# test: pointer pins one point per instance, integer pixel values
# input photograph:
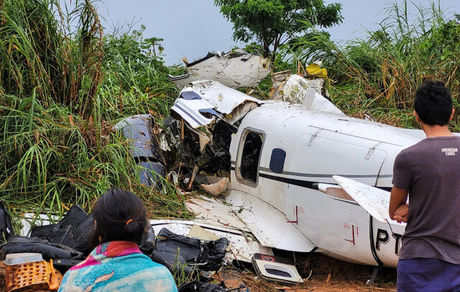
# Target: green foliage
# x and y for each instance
(379, 75)
(136, 79)
(272, 23)
(132, 51)
(61, 92)
(59, 98)
(312, 46)
(37, 53)
(52, 158)
(184, 273)
(28, 63)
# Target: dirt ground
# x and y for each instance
(320, 273)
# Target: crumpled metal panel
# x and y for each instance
(138, 129)
(145, 148)
(299, 90)
(214, 96)
(150, 172)
(267, 223)
(235, 70)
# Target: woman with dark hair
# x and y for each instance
(117, 264)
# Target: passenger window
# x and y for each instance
(277, 160)
(250, 157)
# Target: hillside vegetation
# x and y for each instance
(378, 75)
(64, 84)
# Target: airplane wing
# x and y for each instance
(249, 214)
(374, 200)
(268, 224)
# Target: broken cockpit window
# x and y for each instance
(202, 102)
(207, 113)
(250, 156)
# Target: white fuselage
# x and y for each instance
(282, 151)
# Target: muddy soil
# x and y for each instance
(320, 273)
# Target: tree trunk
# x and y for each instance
(273, 53)
(266, 50)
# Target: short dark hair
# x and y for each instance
(119, 215)
(433, 103)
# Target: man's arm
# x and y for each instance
(398, 210)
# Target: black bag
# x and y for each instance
(172, 249)
(6, 229)
(63, 256)
(75, 230)
(20, 244)
(212, 253)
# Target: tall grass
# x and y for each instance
(379, 74)
(60, 95)
(39, 54)
(50, 160)
(63, 87)
(135, 77)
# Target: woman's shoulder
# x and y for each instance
(134, 270)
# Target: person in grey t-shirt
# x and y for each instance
(429, 173)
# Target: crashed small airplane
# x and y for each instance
(303, 177)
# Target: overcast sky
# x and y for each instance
(191, 28)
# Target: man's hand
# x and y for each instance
(401, 213)
(398, 200)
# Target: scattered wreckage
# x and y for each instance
(235, 69)
(145, 149)
(38, 261)
(301, 177)
(283, 161)
(296, 173)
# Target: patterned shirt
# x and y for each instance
(118, 266)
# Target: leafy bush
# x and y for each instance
(60, 97)
(136, 79)
(379, 75)
(52, 158)
(39, 54)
